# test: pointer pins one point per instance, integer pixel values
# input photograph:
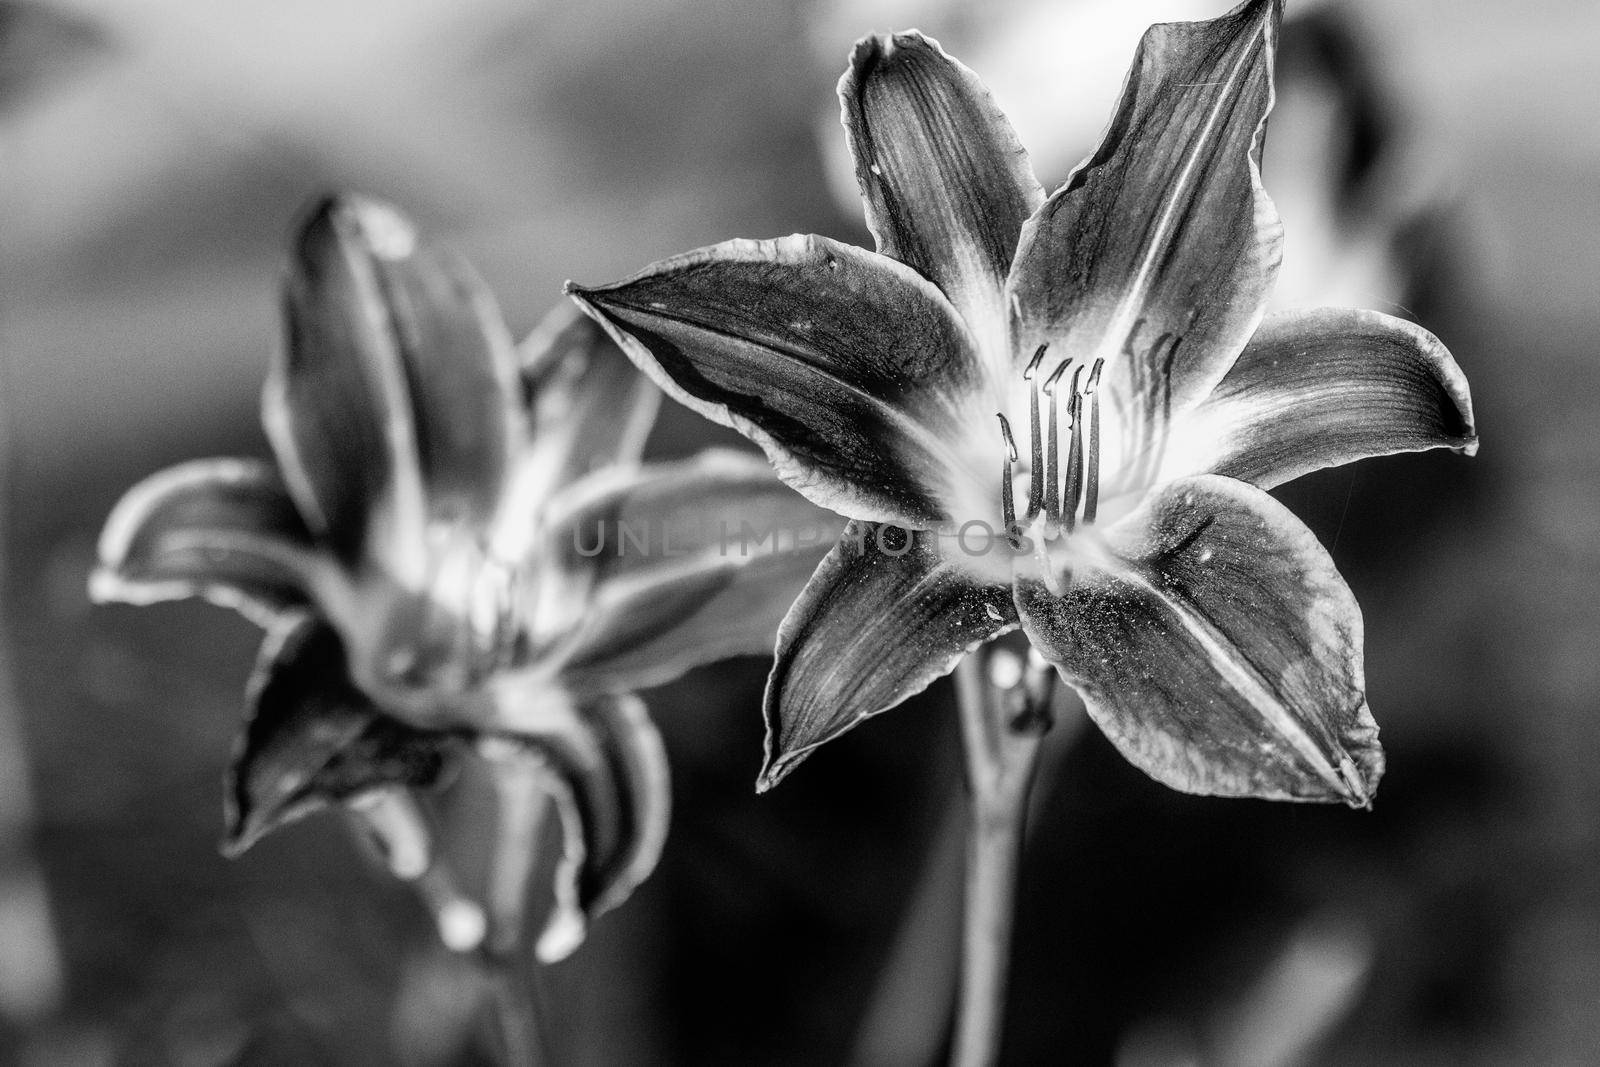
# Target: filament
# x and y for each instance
(1008, 506)
(1036, 451)
(1091, 485)
(1052, 467)
(1074, 453)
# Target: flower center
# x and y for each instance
(1065, 494)
(460, 627)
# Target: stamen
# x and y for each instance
(1052, 466)
(1008, 506)
(1036, 459)
(1074, 453)
(1011, 443)
(1091, 488)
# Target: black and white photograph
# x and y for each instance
(880, 533)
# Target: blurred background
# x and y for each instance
(1436, 159)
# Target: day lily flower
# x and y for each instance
(429, 557)
(1091, 374)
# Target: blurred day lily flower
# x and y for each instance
(429, 557)
(1090, 374)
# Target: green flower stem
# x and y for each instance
(520, 812)
(515, 990)
(507, 955)
(397, 826)
(1002, 724)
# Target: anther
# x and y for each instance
(1055, 376)
(1033, 364)
(1011, 443)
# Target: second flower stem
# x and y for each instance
(1004, 714)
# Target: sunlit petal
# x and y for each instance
(590, 406)
(1217, 647)
(883, 618)
(607, 776)
(395, 400)
(314, 739)
(853, 373)
(947, 186)
(1319, 388)
(682, 564)
(222, 529)
(1159, 251)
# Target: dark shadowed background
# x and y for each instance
(1432, 158)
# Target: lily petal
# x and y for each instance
(685, 564)
(851, 371)
(608, 779)
(1218, 648)
(590, 406)
(589, 409)
(1159, 251)
(1319, 388)
(883, 618)
(222, 529)
(394, 401)
(314, 739)
(946, 183)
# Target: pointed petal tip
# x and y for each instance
(239, 836)
(105, 585)
(243, 823)
(1360, 781)
(588, 298)
(865, 48)
(775, 771)
(344, 220)
(782, 764)
(885, 44)
(874, 49)
(1257, 9)
(562, 935)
